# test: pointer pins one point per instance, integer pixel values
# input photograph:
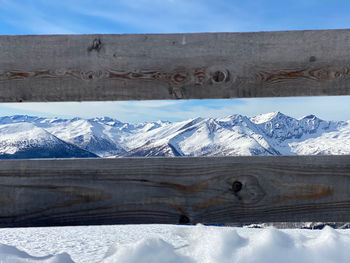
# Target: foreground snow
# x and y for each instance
(173, 244)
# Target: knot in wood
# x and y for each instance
(96, 45)
(219, 76)
(236, 186)
(184, 220)
(312, 59)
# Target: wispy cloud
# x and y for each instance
(172, 16)
(167, 16)
(32, 18)
(328, 108)
(153, 16)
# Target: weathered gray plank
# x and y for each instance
(185, 66)
(173, 190)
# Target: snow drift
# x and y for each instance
(225, 245)
(182, 244)
(10, 254)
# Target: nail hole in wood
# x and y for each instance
(184, 220)
(219, 76)
(312, 59)
(236, 186)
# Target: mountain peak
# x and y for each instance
(309, 117)
(234, 116)
(266, 134)
(261, 118)
(103, 119)
(106, 120)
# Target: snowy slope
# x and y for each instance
(10, 254)
(173, 244)
(266, 134)
(25, 140)
(308, 135)
(234, 135)
(91, 135)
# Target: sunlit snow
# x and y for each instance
(173, 244)
(267, 134)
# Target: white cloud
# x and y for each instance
(328, 108)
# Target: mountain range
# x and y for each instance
(272, 133)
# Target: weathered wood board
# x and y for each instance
(174, 66)
(174, 190)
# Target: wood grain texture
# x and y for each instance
(173, 190)
(174, 66)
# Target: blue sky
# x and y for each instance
(175, 16)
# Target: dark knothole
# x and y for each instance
(219, 76)
(236, 186)
(312, 59)
(96, 45)
(184, 220)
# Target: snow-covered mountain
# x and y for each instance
(25, 140)
(266, 134)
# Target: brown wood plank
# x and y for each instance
(174, 190)
(174, 66)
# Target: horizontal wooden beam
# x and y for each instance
(174, 190)
(174, 66)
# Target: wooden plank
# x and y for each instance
(174, 66)
(174, 190)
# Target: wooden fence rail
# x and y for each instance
(174, 190)
(170, 66)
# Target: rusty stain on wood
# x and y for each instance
(309, 191)
(198, 75)
(214, 201)
(174, 78)
(15, 75)
(180, 187)
(186, 188)
(314, 74)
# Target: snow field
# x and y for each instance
(173, 244)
